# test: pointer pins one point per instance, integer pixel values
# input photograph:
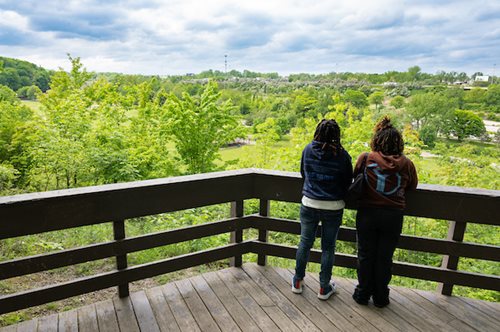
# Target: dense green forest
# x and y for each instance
(23, 77)
(90, 129)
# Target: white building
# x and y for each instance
(482, 78)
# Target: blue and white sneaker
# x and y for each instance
(325, 292)
(297, 285)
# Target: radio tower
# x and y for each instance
(225, 63)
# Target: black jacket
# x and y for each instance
(326, 176)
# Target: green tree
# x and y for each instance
(266, 136)
(200, 127)
(17, 74)
(492, 97)
(355, 98)
(304, 103)
(475, 99)
(456, 94)
(465, 124)
(29, 92)
(13, 115)
(376, 98)
(7, 95)
(148, 137)
(67, 121)
(430, 109)
(428, 135)
(8, 174)
(398, 102)
(414, 73)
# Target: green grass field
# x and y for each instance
(34, 105)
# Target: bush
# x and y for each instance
(8, 174)
(428, 135)
(29, 92)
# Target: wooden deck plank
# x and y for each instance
(27, 326)
(431, 320)
(294, 314)
(358, 314)
(48, 323)
(180, 310)
(304, 305)
(490, 311)
(260, 316)
(494, 305)
(106, 316)
(391, 317)
(407, 315)
(144, 312)
(9, 328)
(87, 319)
(68, 321)
(363, 317)
(125, 315)
(164, 316)
(196, 305)
(270, 308)
(214, 305)
(444, 315)
(255, 298)
(328, 308)
(462, 311)
(240, 316)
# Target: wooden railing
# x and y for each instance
(58, 210)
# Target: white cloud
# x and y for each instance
(12, 19)
(172, 37)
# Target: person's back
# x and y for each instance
(388, 177)
(327, 172)
(379, 219)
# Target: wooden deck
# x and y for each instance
(255, 298)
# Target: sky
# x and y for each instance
(286, 36)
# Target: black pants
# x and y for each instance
(378, 233)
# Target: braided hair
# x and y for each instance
(328, 133)
(387, 139)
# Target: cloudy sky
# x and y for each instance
(286, 36)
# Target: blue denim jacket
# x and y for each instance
(326, 176)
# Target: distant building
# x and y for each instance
(390, 84)
(483, 78)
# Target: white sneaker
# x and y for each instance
(297, 285)
(325, 293)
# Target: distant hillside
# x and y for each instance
(17, 74)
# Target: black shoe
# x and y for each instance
(382, 303)
(359, 300)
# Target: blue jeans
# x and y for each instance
(330, 224)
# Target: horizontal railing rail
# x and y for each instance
(58, 210)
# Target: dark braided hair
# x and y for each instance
(387, 139)
(328, 133)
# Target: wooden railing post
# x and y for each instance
(263, 233)
(236, 236)
(121, 260)
(456, 232)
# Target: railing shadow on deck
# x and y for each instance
(58, 210)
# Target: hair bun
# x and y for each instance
(384, 123)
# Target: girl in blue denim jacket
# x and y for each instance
(327, 172)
